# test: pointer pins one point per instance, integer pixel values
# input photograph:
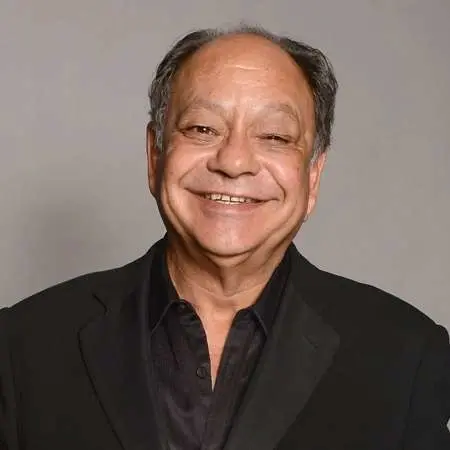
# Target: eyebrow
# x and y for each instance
(203, 103)
(282, 107)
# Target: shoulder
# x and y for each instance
(374, 303)
(71, 302)
(352, 304)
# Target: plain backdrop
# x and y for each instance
(73, 111)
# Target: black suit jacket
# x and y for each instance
(346, 366)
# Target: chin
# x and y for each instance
(226, 246)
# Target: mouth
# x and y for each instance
(227, 199)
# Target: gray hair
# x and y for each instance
(314, 64)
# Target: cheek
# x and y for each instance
(179, 162)
(291, 174)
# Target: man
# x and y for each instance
(223, 336)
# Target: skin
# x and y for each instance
(240, 122)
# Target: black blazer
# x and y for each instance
(346, 366)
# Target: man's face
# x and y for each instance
(235, 177)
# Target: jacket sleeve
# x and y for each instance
(429, 413)
(8, 427)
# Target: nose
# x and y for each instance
(235, 157)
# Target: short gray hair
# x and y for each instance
(314, 64)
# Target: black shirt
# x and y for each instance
(192, 415)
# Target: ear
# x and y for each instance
(152, 159)
(315, 172)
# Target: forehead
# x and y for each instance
(246, 62)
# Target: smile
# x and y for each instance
(229, 199)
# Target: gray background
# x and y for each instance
(73, 81)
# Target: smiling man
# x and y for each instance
(223, 336)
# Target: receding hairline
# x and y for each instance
(239, 35)
(187, 65)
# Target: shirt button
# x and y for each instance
(202, 372)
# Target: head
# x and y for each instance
(240, 125)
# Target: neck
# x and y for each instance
(219, 287)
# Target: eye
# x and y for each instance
(276, 139)
(202, 129)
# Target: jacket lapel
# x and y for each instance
(297, 354)
(115, 351)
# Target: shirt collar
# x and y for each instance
(163, 292)
(266, 306)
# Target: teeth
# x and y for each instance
(224, 198)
